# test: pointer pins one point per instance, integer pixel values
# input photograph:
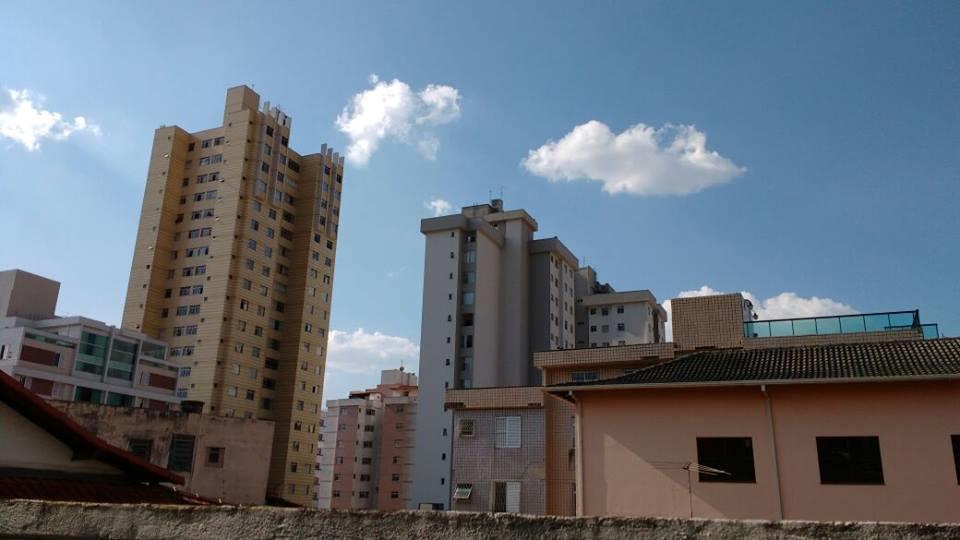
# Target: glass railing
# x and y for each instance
(840, 324)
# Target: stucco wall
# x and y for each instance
(635, 444)
(242, 476)
(34, 519)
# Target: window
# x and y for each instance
(849, 460)
(141, 448)
(621, 327)
(215, 456)
(955, 439)
(619, 309)
(462, 492)
(469, 256)
(181, 453)
(726, 459)
(584, 376)
(506, 497)
(466, 427)
(468, 298)
(508, 432)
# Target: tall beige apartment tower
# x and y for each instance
(233, 266)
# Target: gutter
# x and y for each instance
(772, 382)
(578, 428)
(773, 450)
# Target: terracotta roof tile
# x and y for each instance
(851, 361)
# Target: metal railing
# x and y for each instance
(840, 324)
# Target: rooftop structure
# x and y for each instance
(76, 358)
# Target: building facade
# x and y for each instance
(843, 432)
(498, 450)
(493, 296)
(219, 458)
(724, 325)
(234, 266)
(364, 459)
(75, 358)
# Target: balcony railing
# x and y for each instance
(840, 324)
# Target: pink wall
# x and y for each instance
(635, 443)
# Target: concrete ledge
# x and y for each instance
(39, 519)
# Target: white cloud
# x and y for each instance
(671, 160)
(785, 305)
(363, 352)
(24, 121)
(392, 110)
(439, 207)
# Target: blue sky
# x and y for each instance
(829, 169)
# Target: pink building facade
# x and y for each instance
(363, 459)
(832, 432)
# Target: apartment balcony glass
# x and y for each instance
(840, 324)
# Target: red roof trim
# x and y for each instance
(83, 442)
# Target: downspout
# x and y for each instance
(773, 450)
(578, 427)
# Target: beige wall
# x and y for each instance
(242, 477)
(229, 368)
(25, 445)
(27, 295)
(708, 321)
(636, 442)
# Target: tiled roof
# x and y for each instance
(53, 486)
(852, 361)
(85, 444)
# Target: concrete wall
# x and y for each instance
(438, 361)
(241, 478)
(27, 295)
(635, 444)
(35, 519)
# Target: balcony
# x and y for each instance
(841, 324)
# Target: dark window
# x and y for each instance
(141, 448)
(215, 456)
(181, 453)
(956, 454)
(731, 459)
(849, 460)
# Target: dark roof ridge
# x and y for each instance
(881, 360)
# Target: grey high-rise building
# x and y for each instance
(492, 296)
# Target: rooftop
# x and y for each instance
(850, 362)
